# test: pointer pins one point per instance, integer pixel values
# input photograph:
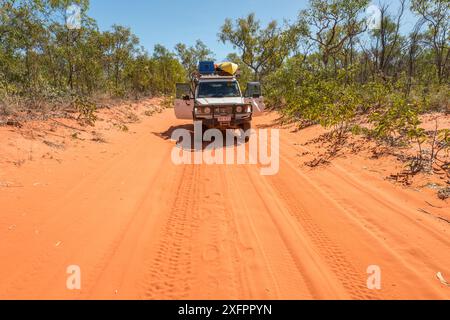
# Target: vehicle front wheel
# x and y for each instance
(204, 128)
(246, 126)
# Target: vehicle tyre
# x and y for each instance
(204, 128)
(246, 126)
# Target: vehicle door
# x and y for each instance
(184, 102)
(253, 96)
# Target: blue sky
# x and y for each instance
(171, 21)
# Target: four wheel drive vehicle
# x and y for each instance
(215, 99)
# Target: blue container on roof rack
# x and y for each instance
(206, 67)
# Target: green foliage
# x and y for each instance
(379, 85)
(263, 50)
(43, 61)
(316, 99)
(397, 119)
(337, 22)
(166, 71)
(444, 138)
(436, 14)
(191, 56)
(86, 109)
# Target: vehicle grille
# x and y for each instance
(223, 110)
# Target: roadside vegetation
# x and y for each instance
(330, 68)
(46, 66)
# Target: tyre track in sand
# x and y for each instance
(365, 213)
(170, 274)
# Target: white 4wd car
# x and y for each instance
(217, 101)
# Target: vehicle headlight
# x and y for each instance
(207, 110)
(239, 109)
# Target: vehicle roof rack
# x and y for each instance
(196, 76)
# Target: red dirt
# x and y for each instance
(140, 227)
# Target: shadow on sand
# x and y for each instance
(191, 145)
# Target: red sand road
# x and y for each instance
(140, 227)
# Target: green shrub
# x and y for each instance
(86, 109)
(396, 120)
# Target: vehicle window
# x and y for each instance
(218, 90)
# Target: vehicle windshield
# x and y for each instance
(223, 89)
